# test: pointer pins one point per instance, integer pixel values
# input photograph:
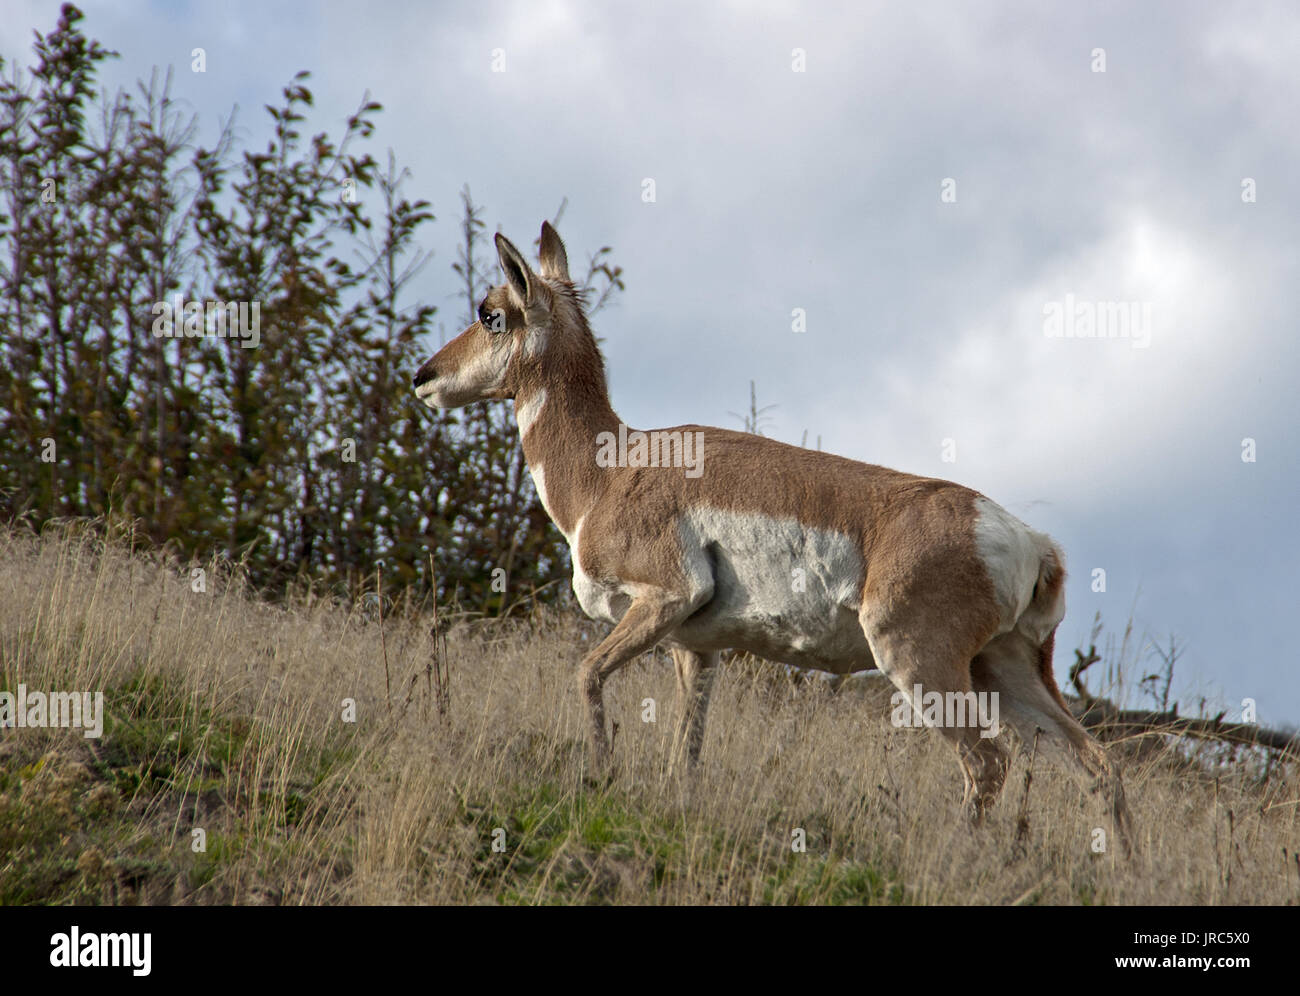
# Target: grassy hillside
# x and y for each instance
(225, 715)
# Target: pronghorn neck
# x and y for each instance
(559, 423)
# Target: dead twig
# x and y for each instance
(1022, 819)
(1107, 719)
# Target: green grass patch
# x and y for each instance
(544, 843)
(110, 820)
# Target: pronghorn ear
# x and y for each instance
(518, 275)
(555, 261)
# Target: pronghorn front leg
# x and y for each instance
(647, 621)
(694, 681)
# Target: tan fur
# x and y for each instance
(928, 609)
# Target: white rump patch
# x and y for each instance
(1012, 555)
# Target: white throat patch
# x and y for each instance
(527, 411)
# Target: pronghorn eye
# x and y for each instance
(492, 319)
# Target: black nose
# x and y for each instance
(423, 375)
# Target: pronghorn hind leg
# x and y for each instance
(911, 656)
(984, 764)
(695, 674)
(647, 621)
(1013, 667)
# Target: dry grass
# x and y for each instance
(226, 714)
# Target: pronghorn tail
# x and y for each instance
(1046, 609)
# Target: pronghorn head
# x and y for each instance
(532, 317)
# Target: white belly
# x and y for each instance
(782, 590)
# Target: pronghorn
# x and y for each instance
(928, 581)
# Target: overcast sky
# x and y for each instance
(827, 190)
